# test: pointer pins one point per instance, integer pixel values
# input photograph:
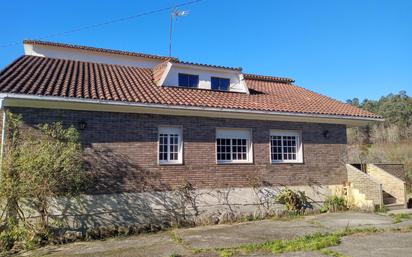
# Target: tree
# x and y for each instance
(389, 141)
(39, 164)
(354, 102)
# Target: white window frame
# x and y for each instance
(299, 145)
(170, 130)
(235, 133)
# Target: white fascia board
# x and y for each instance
(51, 102)
(84, 55)
(205, 68)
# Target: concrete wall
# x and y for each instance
(390, 184)
(163, 208)
(364, 190)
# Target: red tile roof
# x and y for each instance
(34, 75)
(268, 78)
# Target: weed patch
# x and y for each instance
(332, 253)
(334, 204)
(175, 255)
(398, 218)
(313, 242)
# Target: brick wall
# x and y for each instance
(121, 149)
(366, 185)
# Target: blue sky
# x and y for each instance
(342, 49)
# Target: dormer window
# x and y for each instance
(220, 83)
(188, 80)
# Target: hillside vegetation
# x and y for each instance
(387, 142)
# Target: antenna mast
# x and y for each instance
(173, 14)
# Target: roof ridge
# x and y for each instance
(98, 49)
(268, 78)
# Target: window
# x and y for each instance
(220, 84)
(233, 146)
(285, 146)
(170, 145)
(188, 80)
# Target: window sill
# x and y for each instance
(234, 163)
(296, 162)
(171, 164)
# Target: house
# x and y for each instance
(151, 123)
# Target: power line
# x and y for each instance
(87, 27)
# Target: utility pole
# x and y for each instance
(173, 14)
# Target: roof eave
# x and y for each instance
(51, 102)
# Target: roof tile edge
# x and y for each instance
(268, 78)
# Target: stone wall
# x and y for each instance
(365, 191)
(396, 170)
(390, 184)
(205, 206)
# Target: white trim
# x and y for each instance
(299, 144)
(164, 129)
(243, 83)
(235, 133)
(205, 67)
(71, 103)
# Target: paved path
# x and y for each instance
(209, 237)
(382, 244)
(261, 231)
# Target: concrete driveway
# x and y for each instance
(201, 241)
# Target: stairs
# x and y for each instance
(390, 202)
(395, 206)
(388, 198)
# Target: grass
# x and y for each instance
(313, 242)
(175, 255)
(178, 240)
(381, 209)
(398, 218)
(332, 253)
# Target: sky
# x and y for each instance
(342, 49)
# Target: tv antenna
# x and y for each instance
(173, 15)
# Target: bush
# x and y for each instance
(17, 237)
(37, 165)
(334, 204)
(295, 201)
